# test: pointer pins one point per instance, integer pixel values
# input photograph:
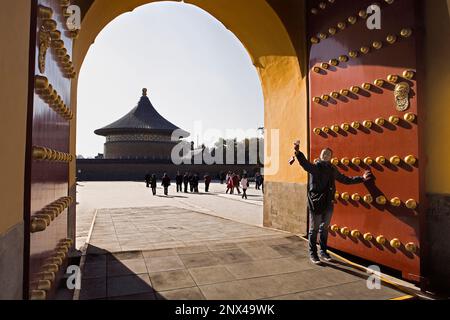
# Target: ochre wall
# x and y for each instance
(14, 31)
(437, 144)
(15, 37)
(287, 81)
(437, 87)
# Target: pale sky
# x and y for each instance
(194, 69)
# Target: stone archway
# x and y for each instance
(273, 33)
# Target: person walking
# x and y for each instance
(236, 181)
(227, 177)
(153, 184)
(258, 180)
(195, 182)
(191, 182)
(321, 191)
(186, 182)
(244, 185)
(148, 179)
(179, 181)
(230, 186)
(166, 184)
(207, 179)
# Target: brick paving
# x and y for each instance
(176, 253)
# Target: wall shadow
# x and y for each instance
(115, 276)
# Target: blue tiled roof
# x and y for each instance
(142, 119)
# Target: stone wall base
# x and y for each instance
(438, 234)
(285, 207)
(11, 263)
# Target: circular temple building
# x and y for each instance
(141, 134)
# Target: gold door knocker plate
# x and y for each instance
(401, 93)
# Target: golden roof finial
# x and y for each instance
(144, 92)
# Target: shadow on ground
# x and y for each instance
(272, 268)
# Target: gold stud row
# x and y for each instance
(369, 161)
(364, 50)
(49, 25)
(46, 91)
(362, 14)
(407, 74)
(47, 275)
(45, 12)
(42, 153)
(380, 200)
(42, 219)
(62, 55)
(368, 124)
(381, 240)
(321, 6)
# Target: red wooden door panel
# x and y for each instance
(335, 30)
(49, 148)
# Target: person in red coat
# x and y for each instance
(230, 185)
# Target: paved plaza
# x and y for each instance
(198, 247)
(100, 195)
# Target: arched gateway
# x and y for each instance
(327, 80)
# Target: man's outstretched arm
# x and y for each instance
(306, 165)
(347, 180)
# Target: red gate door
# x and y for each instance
(47, 197)
(364, 106)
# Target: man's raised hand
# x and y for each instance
(368, 175)
(297, 146)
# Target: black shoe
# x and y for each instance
(315, 259)
(326, 257)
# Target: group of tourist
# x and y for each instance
(192, 181)
(189, 181)
(152, 182)
(236, 182)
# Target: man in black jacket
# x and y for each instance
(207, 179)
(166, 184)
(186, 182)
(148, 179)
(321, 191)
(153, 183)
(179, 181)
(195, 182)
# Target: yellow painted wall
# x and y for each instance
(437, 87)
(265, 35)
(14, 31)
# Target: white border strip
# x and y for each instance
(76, 294)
